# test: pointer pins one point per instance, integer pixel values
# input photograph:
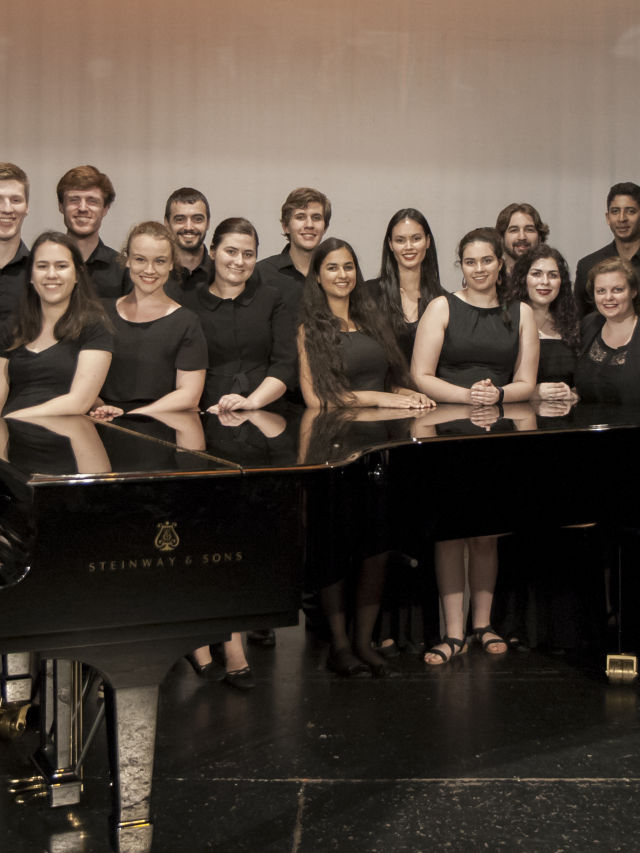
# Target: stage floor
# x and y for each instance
(521, 752)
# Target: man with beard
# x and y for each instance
(14, 206)
(85, 196)
(305, 217)
(521, 229)
(623, 218)
(187, 215)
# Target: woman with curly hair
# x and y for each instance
(349, 358)
(409, 277)
(541, 279)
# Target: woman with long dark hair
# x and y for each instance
(57, 355)
(409, 278)
(474, 347)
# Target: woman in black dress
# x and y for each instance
(608, 368)
(474, 347)
(541, 278)
(349, 358)
(57, 355)
(409, 277)
(160, 353)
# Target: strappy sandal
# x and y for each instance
(458, 647)
(479, 633)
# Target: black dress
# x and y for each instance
(147, 355)
(36, 377)
(479, 343)
(605, 374)
(557, 361)
(365, 362)
(405, 332)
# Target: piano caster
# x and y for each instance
(622, 669)
(133, 836)
(13, 720)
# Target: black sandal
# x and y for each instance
(458, 647)
(479, 633)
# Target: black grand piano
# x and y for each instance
(125, 545)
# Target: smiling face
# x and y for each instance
(543, 282)
(234, 259)
(189, 223)
(83, 211)
(409, 244)
(54, 274)
(480, 266)
(613, 296)
(306, 226)
(149, 261)
(337, 274)
(623, 218)
(13, 209)
(521, 235)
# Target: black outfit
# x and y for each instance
(107, 273)
(557, 361)
(603, 374)
(365, 362)
(583, 300)
(147, 355)
(12, 278)
(279, 271)
(479, 344)
(248, 338)
(185, 281)
(406, 333)
(35, 377)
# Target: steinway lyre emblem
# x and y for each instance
(167, 538)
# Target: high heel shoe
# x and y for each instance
(205, 671)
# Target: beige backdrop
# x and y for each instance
(457, 107)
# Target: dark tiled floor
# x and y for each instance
(523, 752)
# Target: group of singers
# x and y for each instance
(221, 332)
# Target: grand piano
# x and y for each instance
(125, 545)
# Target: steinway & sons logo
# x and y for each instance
(166, 540)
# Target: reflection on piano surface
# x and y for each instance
(126, 545)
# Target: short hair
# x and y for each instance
(186, 195)
(234, 225)
(157, 230)
(301, 198)
(83, 178)
(11, 172)
(616, 264)
(504, 218)
(624, 188)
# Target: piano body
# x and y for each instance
(189, 532)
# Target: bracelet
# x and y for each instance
(500, 394)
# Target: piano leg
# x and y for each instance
(131, 719)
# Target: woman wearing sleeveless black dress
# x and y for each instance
(471, 347)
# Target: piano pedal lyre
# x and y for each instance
(622, 668)
(13, 720)
(27, 789)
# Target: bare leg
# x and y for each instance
(234, 656)
(450, 576)
(202, 655)
(332, 599)
(483, 571)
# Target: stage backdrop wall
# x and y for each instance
(457, 107)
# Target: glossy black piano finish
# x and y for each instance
(145, 539)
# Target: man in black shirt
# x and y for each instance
(85, 196)
(305, 217)
(623, 218)
(188, 216)
(14, 206)
(522, 229)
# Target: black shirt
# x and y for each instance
(107, 273)
(147, 355)
(280, 272)
(248, 338)
(583, 300)
(12, 278)
(185, 281)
